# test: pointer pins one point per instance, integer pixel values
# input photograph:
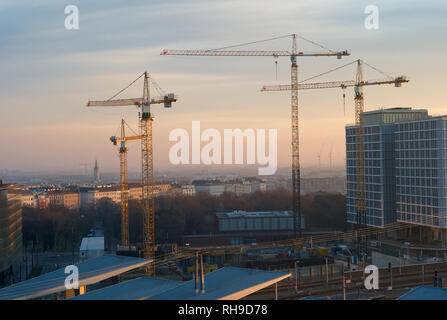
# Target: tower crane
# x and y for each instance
(358, 85)
(147, 181)
(293, 54)
(123, 182)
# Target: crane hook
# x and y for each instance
(344, 104)
(276, 66)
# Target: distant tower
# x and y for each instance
(96, 174)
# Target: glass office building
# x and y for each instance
(380, 164)
(421, 164)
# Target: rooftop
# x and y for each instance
(425, 293)
(135, 289)
(253, 214)
(91, 271)
(228, 283)
(92, 243)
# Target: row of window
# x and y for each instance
(367, 146)
(414, 163)
(419, 209)
(373, 187)
(429, 200)
(416, 135)
(417, 126)
(371, 221)
(419, 191)
(350, 199)
(421, 219)
(417, 154)
(366, 130)
(415, 144)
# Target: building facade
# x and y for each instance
(29, 200)
(10, 233)
(405, 154)
(421, 172)
(242, 221)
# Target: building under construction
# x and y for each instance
(405, 171)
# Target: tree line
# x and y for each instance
(61, 229)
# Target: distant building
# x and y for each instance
(96, 173)
(237, 186)
(91, 196)
(10, 233)
(405, 170)
(86, 197)
(328, 184)
(241, 227)
(91, 247)
(273, 221)
(188, 190)
(71, 200)
(43, 201)
(29, 200)
(215, 188)
(56, 199)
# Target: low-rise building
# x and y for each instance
(71, 200)
(43, 201)
(237, 221)
(29, 200)
(91, 247)
(188, 190)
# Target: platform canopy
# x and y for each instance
(425, 293)
(137, 289)
(228, 283)
(90, 272)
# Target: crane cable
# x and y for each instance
(335, 69)
(248, 43)
(270, 39)
(126, 87)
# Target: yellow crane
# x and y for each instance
(147, 181)
(293, 54)
(358, 85)
(123, 182)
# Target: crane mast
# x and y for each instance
(147, 183)
(124, 191)
(123, 182)
(296, 183)
(293, 54)
(360, 161)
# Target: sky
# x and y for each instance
(49, 73)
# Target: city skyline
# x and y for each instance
(49, 128)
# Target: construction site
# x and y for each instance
(305, 265)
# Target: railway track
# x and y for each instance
(404, 277)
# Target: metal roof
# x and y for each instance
(90, 271)
(425, 293)
(92, 243)
(253, 214)
(228, 283)
(136, 289)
